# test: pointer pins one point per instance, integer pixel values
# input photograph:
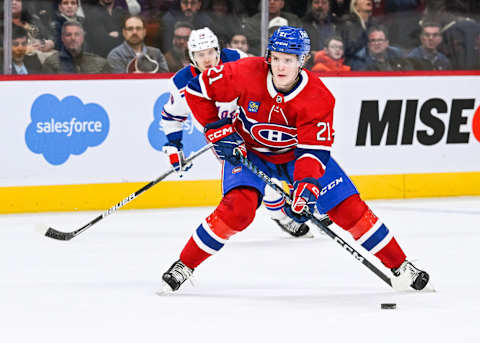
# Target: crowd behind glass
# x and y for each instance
(150, 36)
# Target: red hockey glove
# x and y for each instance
(173, 149)
(305, 195)
(226, 141)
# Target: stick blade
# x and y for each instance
(59, 235)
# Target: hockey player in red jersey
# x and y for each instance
(285, 127)
(204, 52)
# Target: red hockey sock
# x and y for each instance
(392, 256)
(234, 213)
(354, 216)
(192, 255)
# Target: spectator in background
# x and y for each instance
(458, 43)
(252, 24)
(379, 55)
(190, 11)
(225, 20)
(103, 23)
(239, 41)
(67, 11)
(22, 64)
(340, 7)
(133, 56)
(71, 59)
(402, 21)
(458, 29)
(134, 7)
(427, 52)
(41, 10)
(331, 57)
(177, 56)
(276, 23)
(353, 27)
(476, 49)
(297, 7)
(40, 40)
(320, 24)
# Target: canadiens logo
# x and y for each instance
(253, 106)
(274, 135)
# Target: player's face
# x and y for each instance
(284, 70)
(68, 7)
(205, 58)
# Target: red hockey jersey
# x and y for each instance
(278, 127)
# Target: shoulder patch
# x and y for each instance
(253, 106)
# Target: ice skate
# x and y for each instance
(293, 228)
(407, 275)
(174, 277)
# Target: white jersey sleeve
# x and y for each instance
(175, 111)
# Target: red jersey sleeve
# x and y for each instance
(214, 84)
(314, 132)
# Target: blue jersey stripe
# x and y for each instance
(208, 240)
(376, 238)
(195, 85)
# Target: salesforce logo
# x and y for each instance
(192, 140)
(60, 128)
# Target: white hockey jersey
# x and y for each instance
(176, 111)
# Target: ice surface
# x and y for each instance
(262, 287)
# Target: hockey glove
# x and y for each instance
(173, 149)
(305, 195)
(226, 141)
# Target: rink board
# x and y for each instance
(85, 144)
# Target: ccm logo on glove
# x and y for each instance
(217, 134)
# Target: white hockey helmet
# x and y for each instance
(202, 39)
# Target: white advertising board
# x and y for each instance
(104, 131)
(88, 131)
(402, 125)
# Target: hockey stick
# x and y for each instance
(319, 222)
(66, 236)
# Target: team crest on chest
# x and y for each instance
(274, 135)
(253, 106)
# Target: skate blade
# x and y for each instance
(403, 285)
(429, 288)
(165, 289)
(309, 234)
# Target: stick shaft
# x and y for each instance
(52, 233)
(317, 221)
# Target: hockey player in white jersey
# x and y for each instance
(204, 52)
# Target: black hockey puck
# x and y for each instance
(388, 306)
